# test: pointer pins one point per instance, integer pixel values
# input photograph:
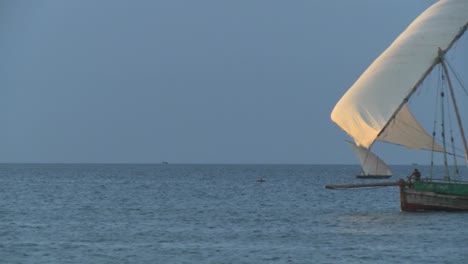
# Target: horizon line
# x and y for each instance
(197, 163)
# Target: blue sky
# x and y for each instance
(187, 81)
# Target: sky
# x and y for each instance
(183, 81)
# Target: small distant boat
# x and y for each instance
(261, 180)
(164, 162)
(372, 166)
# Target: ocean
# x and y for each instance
(202, 214)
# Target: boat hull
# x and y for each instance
(373, 176)
(412, 200)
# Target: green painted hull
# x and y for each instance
(449, 188)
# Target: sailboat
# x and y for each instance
(376, 107)
(372, 166)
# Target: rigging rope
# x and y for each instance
(452, 141)
(456, 77)
(447, 173)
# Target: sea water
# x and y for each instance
(165, 213)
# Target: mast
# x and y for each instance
(454, 101)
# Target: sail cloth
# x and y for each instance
(370, 163)
(405, 130)
(370, 103)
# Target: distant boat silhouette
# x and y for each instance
(164, 162)
(261, 180)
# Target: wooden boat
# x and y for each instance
(376, 107)
(423, 195)
(433, 196)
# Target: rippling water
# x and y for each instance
(214, 214)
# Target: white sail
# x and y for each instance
(405, 130)
(371, 164)
(368, 107)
